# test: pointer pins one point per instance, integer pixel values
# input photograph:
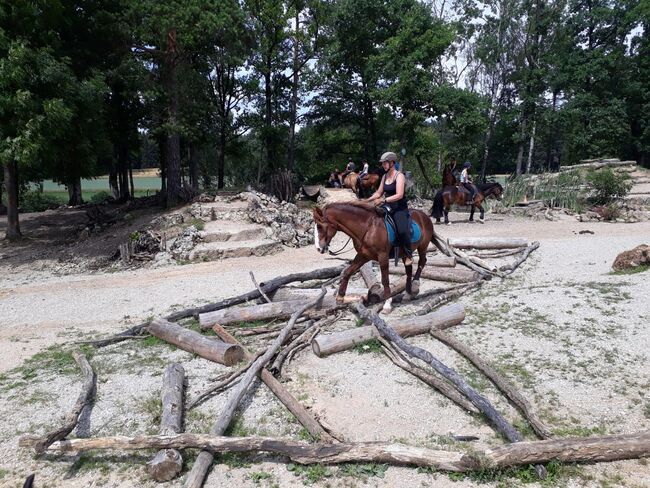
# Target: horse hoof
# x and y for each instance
(386, 310)
(447, 223)
(481, 221)
(415, 288)
(340, 298)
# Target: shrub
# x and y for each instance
(36, 201)
(608, 186)
(101, 197)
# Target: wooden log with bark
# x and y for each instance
(196, 477)
(374, 285)
(267, 287)
(446, 296)
(294, 293)
(511, 393)
(447, 316)
(275, 309)
(597, 164)
(303, 416)
(84, 399)
(487, 242)
(188, 340)
(167, 463)
(569, 450)
(510, 268)
(442, 274)
(441, 261)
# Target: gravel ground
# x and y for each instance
(574, 338)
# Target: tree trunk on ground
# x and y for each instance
(188, 340)
(11, 184)
(196, 476)
(444, 317)
(442, 274)
(168, 462)
(278, 310)
(487, 242)
(74, 192)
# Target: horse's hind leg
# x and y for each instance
(383, 266)
(481, 219)
(422, 261)
(471, 214)
(445, 210)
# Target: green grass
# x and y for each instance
(312, 473)
(635, 270)
(369, 346)
(55, 359)
(508, 477)
(363, 471)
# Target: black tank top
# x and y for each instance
(390, 190)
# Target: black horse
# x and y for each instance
(459, 195)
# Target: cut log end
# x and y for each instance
(166, 465)
(233, 355)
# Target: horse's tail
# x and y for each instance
(439, 243)
(436, 210)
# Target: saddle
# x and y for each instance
(391, 229)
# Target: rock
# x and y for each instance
(184, 243)
(639, 256)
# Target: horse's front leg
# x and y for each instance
(422, 261)
(481, 219)
(357, 262)
(471, 214)
(409, 275)
(383, 266)
(445, 210)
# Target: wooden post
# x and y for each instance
(168, 462)
(193, 342)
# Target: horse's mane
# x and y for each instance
(486, 186)
(363, 206)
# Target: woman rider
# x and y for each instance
(392, 188)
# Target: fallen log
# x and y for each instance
(447, 316)
(196, 476)
(443, 274)
(569, 450)
(294, 293)
(193, 342)
(433, 381)
(511, 393)
(487, 242)
(374, 285)
(438, 300)
(597, 164)
(84, 399)
(510, 268)
(441, 261)
(267, 287)
(168, 462)
(287, 399)
(392, 334)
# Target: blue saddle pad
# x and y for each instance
(416, 233)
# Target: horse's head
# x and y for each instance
(323, 230)
(497, 191)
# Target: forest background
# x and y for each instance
(222, 93)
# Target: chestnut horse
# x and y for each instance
(367, 229)
(361, 186)
(459, 195)
(448, 178)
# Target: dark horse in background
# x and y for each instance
(460, 195)
(367, 229)
(448, 177)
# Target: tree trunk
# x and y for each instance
(443, 274)
(487, 242)
(173, 152)
(74, 192)
(162, 148)
(112, 182)
(268, 117)
(11, 185)
(193, 342)
(587, 449)
(444, 317)
(520, 153)
(168, 462)
(194, 167)
(293, 111)
(131, 180)
(221, 157)
(531, 148)
(278, 310)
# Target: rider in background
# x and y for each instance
(364, 171)
(393, 200)
(466, 180)
(348, 169)
(334, 181)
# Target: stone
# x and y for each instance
(639, 256)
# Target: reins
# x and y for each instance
(336, 253)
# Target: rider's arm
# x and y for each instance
(399, 189)
(379, 192)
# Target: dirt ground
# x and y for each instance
(572, 336)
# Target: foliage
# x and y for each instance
(37, 201)
(608, 186)
(100, 197)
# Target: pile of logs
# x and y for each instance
(309, 311)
